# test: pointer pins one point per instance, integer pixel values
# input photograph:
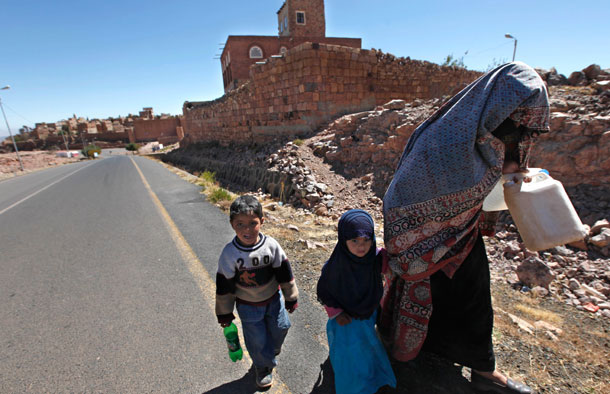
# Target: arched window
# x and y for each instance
(283, 50)
(256, 53)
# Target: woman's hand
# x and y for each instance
(343, 319)
(511, 167)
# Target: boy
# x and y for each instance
(251, 269)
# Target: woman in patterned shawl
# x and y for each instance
(440, 297)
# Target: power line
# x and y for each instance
(16, 113)
(490, 49)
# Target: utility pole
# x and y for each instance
(63, 136)
(9, 130)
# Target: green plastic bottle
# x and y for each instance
(235, 350)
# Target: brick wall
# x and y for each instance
(109, 136)
(315, 25)
(156, 129)
(314, 83)
(236, 53)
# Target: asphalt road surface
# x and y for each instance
(106, 285)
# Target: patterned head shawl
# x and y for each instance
(432, 207)
(347, 281)
(450, 164)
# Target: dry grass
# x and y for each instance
(579, 90)
(577, 362)
(539, 314)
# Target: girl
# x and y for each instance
(350, 288)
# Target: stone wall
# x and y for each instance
(577, 150)
(312, 84)
(156, 129)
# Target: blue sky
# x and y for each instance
(98, 59)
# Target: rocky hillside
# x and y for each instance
(350, 163)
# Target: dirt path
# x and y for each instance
(32, 161)
(350, 193)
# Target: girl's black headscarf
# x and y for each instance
(349, 282)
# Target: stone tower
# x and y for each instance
(301, 18)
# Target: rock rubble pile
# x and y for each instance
(578, 277)
(306, 190)
(367, 145)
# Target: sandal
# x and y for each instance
(483, 384)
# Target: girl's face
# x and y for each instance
(359, 246)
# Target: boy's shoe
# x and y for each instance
(264, 377)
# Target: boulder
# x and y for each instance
(542, 325)
(577, 78)
(544, 74)
(556, 79)
(396, 104)
(602, 239)
(321, 210)
(539, 292)
(534, 272)
(599, 226)
(313, 198)
(592, 71)
(602, 85)
(573, 284)
(582, 245)
(522, 324)
(558, 105)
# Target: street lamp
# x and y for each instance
(9, 129)
(515, 49)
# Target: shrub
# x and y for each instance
(451, 61)
(298, 142)
(219, 194)
(91, 149)
(132, 146)
(208, 176)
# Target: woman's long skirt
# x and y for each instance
(461, 324)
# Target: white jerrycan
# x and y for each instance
(543, 212)
(495, 199)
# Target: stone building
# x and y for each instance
(146, 113)
(299, 21)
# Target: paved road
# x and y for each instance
(106, 285)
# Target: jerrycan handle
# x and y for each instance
(541, 176)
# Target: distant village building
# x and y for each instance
(299, 21)
(146, 113)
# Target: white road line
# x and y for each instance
(41, 190)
